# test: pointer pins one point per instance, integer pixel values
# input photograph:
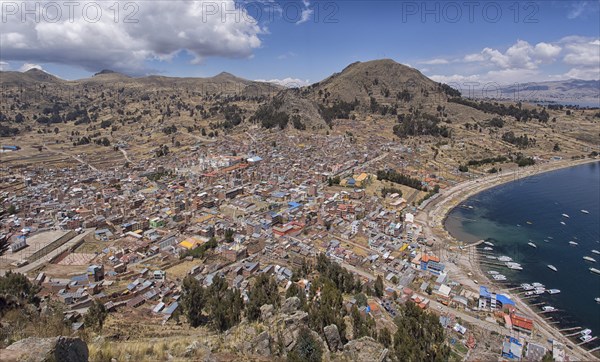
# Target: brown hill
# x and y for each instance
(385, 80)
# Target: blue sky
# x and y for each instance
(305, 41)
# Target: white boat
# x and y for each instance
(539, 290)
(514, 266)
(529, 293)
(546, 240)
(574, 243)
(532, 245)
(552, 267)
(586, 332)
(550, 237)
(594, 270)
(504, 258)
(488, 248)
(585, 338)
(596, 251)
(493, 272)
(491, 257)
(488, 243)
(565, 215)
(538, 285)
(553, 291)
(589, 258)
(597, 300)
(562, 222)
(499, 277)
(526, 286)
(585, 211)
(548, 308)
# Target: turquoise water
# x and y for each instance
(502, 214)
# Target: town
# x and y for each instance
(266, 203)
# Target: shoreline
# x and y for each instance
(435, 214)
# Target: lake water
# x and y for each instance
(530, 210)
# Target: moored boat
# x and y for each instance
(532, 245)
(573, 243)
(594, 270)
(504, 258)
(585, 211)
(596, 251)
(548, 308)
(552, 267)
(553, 291)
(565, 215)
(488, 243)
(589, 258)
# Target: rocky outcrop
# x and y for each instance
(290, 305)
(64, 349)
(266, 311)
(365, 349)
(332, 336)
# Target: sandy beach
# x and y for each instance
(465, 267)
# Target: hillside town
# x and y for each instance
(128, 236)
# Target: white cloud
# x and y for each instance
(287, 82)
(520, 55)
(455, 78)
(287, 55)
(436, 61)
(477, 57)
(159, 31)
(582, 9)
(591, 73)
(575, 57)
(4, 66)
(547, 51)
(28, 66)
(583, 53)
(306, 14)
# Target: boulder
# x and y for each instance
(64, 349)
(296, 319)
(262, 344)
(332, 336)
(365, 349)
(266, 311)
(290, 305)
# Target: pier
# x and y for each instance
(568, 329)
(588, 341)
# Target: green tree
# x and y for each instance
(379, 286)
(192, 300)
(95, 316)
(225, 305)
(264, 291)
(361, 299)
(420, 336)
(307, 348)
(17, 285)
(384, 337)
